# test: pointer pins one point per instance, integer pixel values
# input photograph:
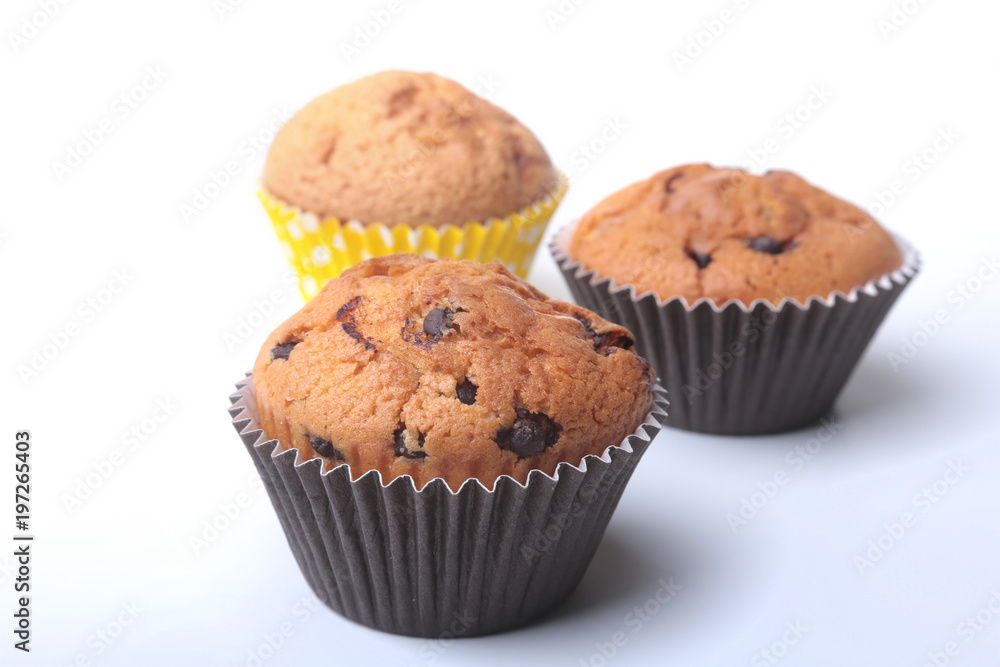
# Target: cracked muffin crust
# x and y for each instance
(407, 148)
(450, 369)
(697, 231)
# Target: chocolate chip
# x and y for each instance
(345, 310)
(466, 391)
(351, 329)
(282, 350)
(325, 448)
(668, 186)
(436, 322)
(597, 339)
(767, 244)
(607, 341)
(399, 447)
(531, 434)
(647, 371)
(701, 260)
(399, 443)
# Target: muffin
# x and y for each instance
(440, 439)
(406, 162)
(752, 296)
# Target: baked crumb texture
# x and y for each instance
(450, 369)
(696, 232)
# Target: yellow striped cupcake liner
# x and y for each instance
(319, 250)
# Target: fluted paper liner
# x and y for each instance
(319, 250)
(434, 562)
(739, 369)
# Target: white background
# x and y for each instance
(191, 282)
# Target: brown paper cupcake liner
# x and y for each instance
(434, 562)
(737, 369)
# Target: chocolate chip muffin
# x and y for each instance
(696, 232)
(753, 297)
(450, 369)
(407, 148)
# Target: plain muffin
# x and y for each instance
(407, 148)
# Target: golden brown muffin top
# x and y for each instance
(407, 148)
(450, 369)
(697, 231)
